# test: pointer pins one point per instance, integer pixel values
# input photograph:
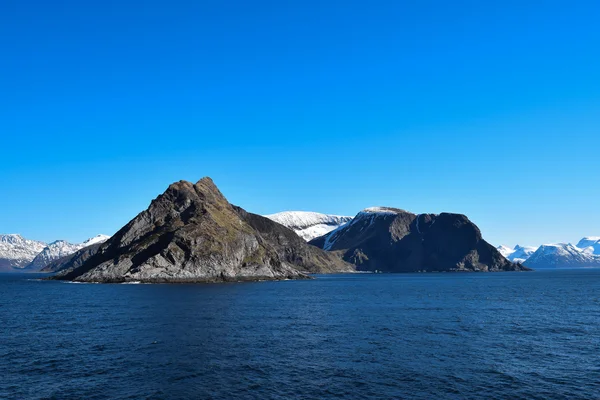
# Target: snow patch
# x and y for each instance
(382, 210)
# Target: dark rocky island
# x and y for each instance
(191, 233)
(393, 240)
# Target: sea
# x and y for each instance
(513, 335)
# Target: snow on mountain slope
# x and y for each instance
(16, 251)
(590, 244)
(59, 249)
(96, 239)
(518, 254)
(562, 255)
(309, 225)
(505, 250)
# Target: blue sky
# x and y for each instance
(491, 109)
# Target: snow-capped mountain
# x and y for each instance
(505, 250)
(53, 251)
(309, 225)
(556, 255)
(17, 252)
(562, 255)
(590, 244)
(61, 248)
(518, 254)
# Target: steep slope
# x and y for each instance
(16, 252)
(519, 254)
(309, 225)
(59, 249)
(191, 233)
(393, 240)
(562, 255)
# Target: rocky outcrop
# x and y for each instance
(191, 233)
(394, 240)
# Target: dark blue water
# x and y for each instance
(473, 336)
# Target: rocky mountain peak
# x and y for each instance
(192, 233)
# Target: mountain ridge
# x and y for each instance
(20, 254)
(557, 255)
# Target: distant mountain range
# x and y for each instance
(309, 225)
(557, 255)
(20, 254)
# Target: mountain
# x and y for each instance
(394, 240)
(17, 252)
(518, 254)
(505, 250)
(72, 261)
(59, 249)
(562, 255)
(590, 244)
(191, 233)
(309, 225)
(51, 252)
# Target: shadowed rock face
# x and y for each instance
(393, 240)
(191, 233)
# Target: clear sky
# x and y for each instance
(487, 108)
